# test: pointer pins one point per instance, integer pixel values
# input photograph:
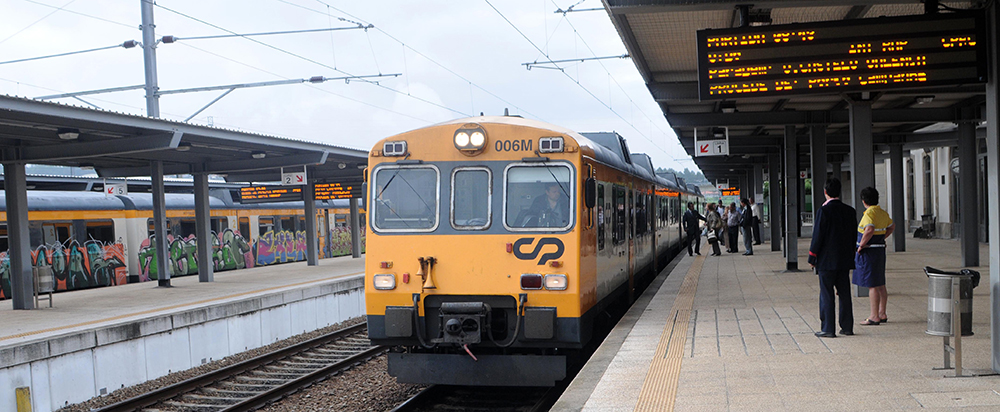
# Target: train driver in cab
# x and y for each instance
(552, 208)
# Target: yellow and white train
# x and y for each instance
(495, 243)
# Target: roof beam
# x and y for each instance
(805, 118)
(662, 6)
(98, 148)
(313, 158)
(665, 92)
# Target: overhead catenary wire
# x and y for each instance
(63, 9)
(417, 52)
(577, 82)
(37, 21)
(281, 50)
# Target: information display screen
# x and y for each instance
(729, 191)
(842, 56)
(332, 191)
(270, 193)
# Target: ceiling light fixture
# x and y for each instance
(183, 147)
(68, 134)
(258, 154)
(924, 99)
(342, 165)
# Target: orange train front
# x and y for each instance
(496, 242)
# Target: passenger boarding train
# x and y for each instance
(91, 239)
(496, 242)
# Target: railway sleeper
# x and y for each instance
(246, 387)
(251, 380)
(227, 393)
(340, 351)
(301, 365)
(192, 407)
(316, 357)
(276, 375)
(279, 369)
(209, 400)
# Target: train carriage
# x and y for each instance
(496, 242)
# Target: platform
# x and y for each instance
(94, 341)
(736, 333)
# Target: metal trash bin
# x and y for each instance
(939, 289)
(944, 310)
(45, 283)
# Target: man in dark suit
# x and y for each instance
(746, 222)
(691, 228)
(832, 255)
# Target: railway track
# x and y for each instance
(256, 382)
(442, 398)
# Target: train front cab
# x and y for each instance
(463, 271)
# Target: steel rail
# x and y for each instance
(180, 388)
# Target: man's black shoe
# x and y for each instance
(846, 332)
(825, 335)
(697, 253)
(758, 243)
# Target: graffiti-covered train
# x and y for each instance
(91, 239)
(497, 243)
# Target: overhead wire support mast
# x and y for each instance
(171, 39)
(572, 10)
(541, 64)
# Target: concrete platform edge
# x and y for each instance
(575, 397)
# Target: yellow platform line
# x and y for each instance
(659, 389)
(146, 312)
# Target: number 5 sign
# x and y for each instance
(115, 189)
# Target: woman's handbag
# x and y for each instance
(711, 236)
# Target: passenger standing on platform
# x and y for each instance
(747, 222)
(733, 222)
(756, 222)
(690, 222)
(831, 253)
(875, 226)
(724, 213)
(715, 226)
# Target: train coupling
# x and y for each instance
(462, 322)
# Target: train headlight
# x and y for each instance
(470, 139)
(551, 145)
(385, 282)
(531, 281)
(555, 282)
(394, 148)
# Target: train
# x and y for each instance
(91, 239)
(496, 244)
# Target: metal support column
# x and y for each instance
(968, 185)
(22, 284)
(837, 170)
(791, 199)
(818, 162)
(355, 229)
(898, 199)
(312, 239)
(203, 225)
(160, 224)
(993, 179)
(149, 58)
(862, 151)
(758, 180)
(774, 194)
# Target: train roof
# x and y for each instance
(51, 200)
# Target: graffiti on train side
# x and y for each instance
(340, 241)
(230, 250)
(74, 266)
(281, 246)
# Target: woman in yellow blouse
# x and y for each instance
(875, 226)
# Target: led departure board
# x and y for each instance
(332, 191)
(730, 191)
(270, 193)
(842, 56)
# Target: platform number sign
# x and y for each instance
(112, 189)
(293, 178)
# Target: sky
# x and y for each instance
(455, 59)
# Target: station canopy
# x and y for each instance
(123, 145)
(661, 37)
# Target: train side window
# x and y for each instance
(188, 227)
(264, 225)
(152, 227)
(600, 216)
(3, 238)
(631, 214)
(244, 223)
(618, 236)
(288, 223)
(219, 224)
(640, 214)
(101, 230)
(471, 198)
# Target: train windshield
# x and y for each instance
(405, 199)
(538, 197)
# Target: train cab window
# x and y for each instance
(618, 234)
(538, 197)
(601, 210)
(244, 223)
(471, 198)
(101, 230)
(405, 199)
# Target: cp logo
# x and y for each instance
(538, 248)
